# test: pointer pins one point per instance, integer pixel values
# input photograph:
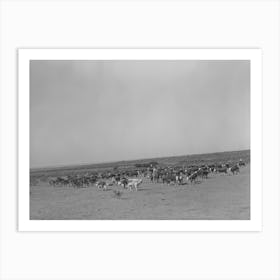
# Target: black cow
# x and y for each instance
(193, 177)
(221, 170)
(234, 169)
(169, 178)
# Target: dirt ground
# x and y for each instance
(220, 197)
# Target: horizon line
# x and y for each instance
(126, 160)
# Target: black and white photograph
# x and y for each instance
(140, 139)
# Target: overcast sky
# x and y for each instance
(100, 111)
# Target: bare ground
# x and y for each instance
(221, 197)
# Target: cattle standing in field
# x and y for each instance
(155, 175)
(205, 173)
(52, 182)
(212, 168)
(202, 172)
(134, 183)
(179, 179)
(193, 177)
(241, 162)
(171, 174)
(92, 179)
(169, 179)
(132, 173)
(123, 182)
(234, 169)
(116, 179)
(59, 181)
(101, 185)
(221, 170)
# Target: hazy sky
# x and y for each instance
(98, 111)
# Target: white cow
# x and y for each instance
(134, 183)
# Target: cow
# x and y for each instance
(234, 169)
(212, 168)
(221, 170)
(116, 179)
(123, 182)
(155, 176)
(101, 185)
(134, 183)
(241, 162)
(169, 178)
(179, 179)
(192, 177)
(204, 173)
(52, 181)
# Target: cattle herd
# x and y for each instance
(131, 179)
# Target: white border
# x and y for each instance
(254, 55)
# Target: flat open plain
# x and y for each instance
(220, 197)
